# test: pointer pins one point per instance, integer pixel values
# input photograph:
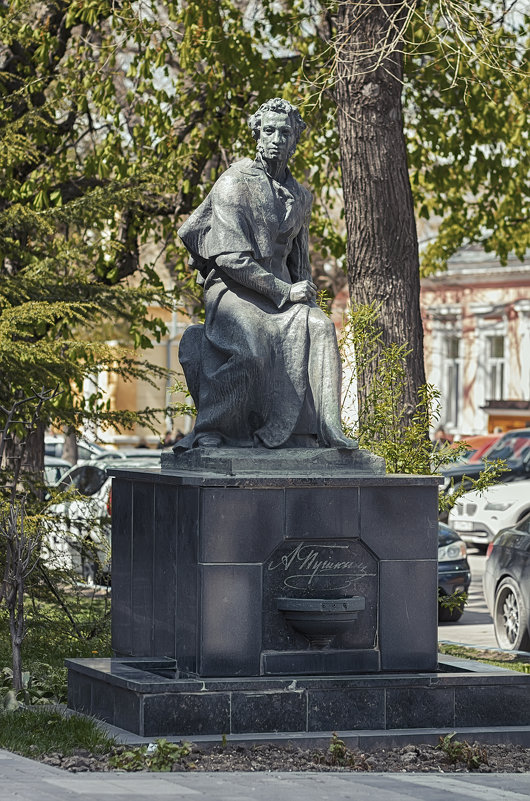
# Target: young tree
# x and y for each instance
(20, 531)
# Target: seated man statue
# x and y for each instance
(264, 369)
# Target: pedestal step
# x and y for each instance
(285, 461)
(146, 696)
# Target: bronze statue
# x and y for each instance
(264, 369)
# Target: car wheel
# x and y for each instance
(510, 617)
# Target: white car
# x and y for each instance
(78, 537)
(478, 516)
(79, 531)
(54, 444)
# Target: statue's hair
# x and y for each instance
(282, 106)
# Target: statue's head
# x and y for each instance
(281, 115)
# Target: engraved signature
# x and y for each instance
(310, 564)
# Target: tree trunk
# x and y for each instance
(70, 446)
(383, 264)
(16, 630)
(31, 452)
(34, 452)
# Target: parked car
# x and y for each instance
(513, 447)
(54, 469)
(54, 444)
(479, 515)
(79, 538)
(130, 453)
(454, 575)
(506, 583)
(479, 446)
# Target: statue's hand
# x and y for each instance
(302, 291)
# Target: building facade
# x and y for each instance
(477, 342)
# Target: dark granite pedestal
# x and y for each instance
(204, 565)
(144, 696)
(279, 603)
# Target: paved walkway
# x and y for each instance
(25, 780)
(475, 627)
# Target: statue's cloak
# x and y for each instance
(259, 368)
(240, 215)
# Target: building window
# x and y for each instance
(495, 367)
(452, 379)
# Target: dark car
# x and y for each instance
(513, 447)
(506, 583)
(454, 575)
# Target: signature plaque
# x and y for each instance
(325, 569)
(315, 566)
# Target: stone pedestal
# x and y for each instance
(206, 566)
(296, 603)
(143, 696)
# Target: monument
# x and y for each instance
(271, 577)
(264, 370)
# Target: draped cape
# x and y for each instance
(261, 370)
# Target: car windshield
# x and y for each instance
(510, 448)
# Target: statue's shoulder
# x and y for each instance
(239, 171)
(233, 181)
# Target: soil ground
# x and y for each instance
(454, 756)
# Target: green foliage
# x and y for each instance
(384, 424)
(159, 756)
(467, 117)
(115, 122)
(45, 685)
(473, 756)
(337, 750)
(76, 626)
(38, 556)
(182, 407)
(324, 301)
(457, 600)
(339, 755)
(37, 731)
(491, 473)
(117, 119)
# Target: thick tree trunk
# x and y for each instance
(382, 253)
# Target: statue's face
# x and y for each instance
(277, 139)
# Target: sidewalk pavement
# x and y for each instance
(475, 627)
(23, 779)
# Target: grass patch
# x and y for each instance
(497, 658)
(51, 637)
(37, 731)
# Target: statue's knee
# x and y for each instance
(190, 344)
(320, 324)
